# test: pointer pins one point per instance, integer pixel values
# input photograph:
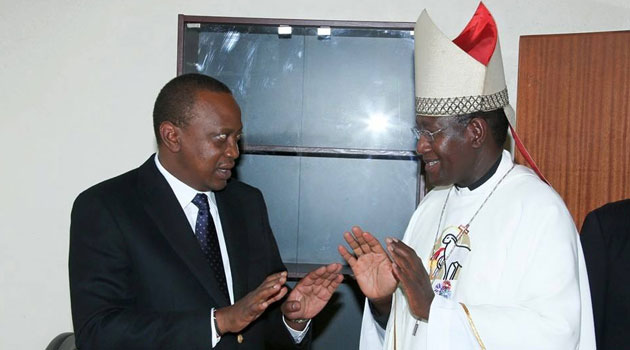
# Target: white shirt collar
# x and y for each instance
(183, 192)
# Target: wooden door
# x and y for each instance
(574, 114)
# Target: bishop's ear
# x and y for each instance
(170, 136)
(478, 129)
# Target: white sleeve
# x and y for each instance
(372, 335)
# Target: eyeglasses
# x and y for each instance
(426, 133)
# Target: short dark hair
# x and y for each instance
(496, 120)
(177, 98)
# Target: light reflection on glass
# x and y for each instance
(231, 38)
(378, 123)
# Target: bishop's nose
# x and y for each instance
(423, 146)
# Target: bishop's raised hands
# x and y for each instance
(413, 277)
(371, 265)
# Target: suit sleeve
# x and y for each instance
(595, 253)
(103, 291)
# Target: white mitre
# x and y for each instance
(463, 75)
(449, 80)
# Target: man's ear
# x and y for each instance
(170, 136)
(478, 129)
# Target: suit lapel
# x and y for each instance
(235, 240)
(162, 206)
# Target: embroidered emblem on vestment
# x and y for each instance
(449, 258)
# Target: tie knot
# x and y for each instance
(201, 201)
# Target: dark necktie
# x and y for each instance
(206, 234)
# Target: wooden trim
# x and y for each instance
(297, 22)
(570, 35)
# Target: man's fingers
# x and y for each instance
(321, 275)
(267, 294)
(325, 272)
(250, 307)
(280, 295)
(270, 287)
(258, 302)
(326, 282)
(335, 275)
(333, 268)
(315, 275)
(334, 283)
(256, 307)
(271, 284)
(279, 277)
(329, 279)
(320, 272)
(291, 306)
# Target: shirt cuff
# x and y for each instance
(298, 336)
(215, 335)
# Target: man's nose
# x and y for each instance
(232, 148)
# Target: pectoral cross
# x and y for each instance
(463, 230)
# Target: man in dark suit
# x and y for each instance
(605, 240)
(175, 255)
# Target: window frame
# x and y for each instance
(186, 21)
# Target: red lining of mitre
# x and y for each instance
(527, 156)
(479, 38)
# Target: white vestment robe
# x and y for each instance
(523, 280)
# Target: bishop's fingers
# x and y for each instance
(352, 241)
(345, 254)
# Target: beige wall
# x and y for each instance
(77, 84)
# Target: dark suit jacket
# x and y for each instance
(138, 278)
(605, 239)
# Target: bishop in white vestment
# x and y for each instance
(491, 258)
(521, 277)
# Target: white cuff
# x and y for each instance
(215, 335)
(298, 336)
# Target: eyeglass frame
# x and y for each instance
(430, 135)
